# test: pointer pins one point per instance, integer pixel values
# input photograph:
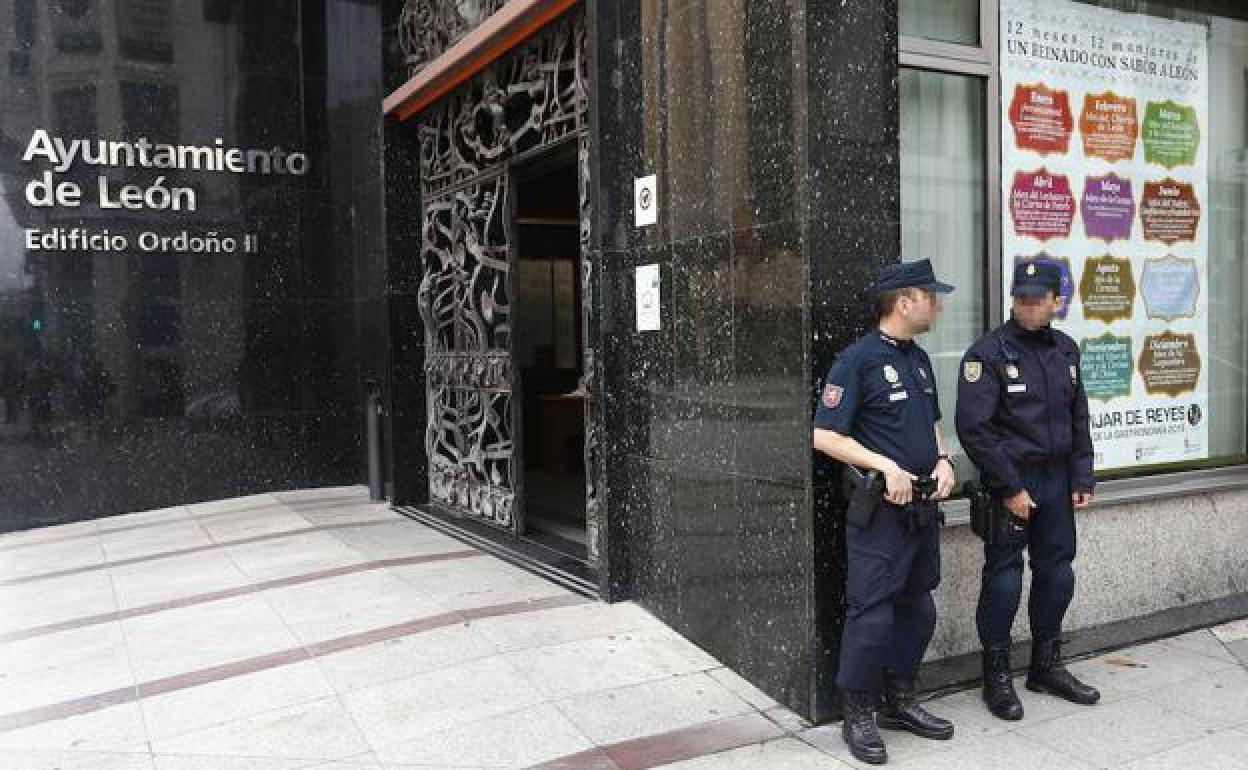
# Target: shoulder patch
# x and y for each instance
(972, 370)
(832, 396)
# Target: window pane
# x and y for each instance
(1228, 239)
(954, 21)
(1123, 151)
(942, 211)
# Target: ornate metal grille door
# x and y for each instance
(533, 99)
(465, 305)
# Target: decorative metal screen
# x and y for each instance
(465, 306)
(592, 376)
(429, 27)
(532, 99)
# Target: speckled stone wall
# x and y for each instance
(772, 128)
(407, 468)
(854, 230)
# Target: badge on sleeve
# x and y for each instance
(832, 396)
(971, 370)
(1074, 374)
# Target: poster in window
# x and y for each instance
(1104, 160)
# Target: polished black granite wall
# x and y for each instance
(407, 468)
(134, 379)
(854, 229)
(772, 128)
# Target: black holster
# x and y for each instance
(864, 492)
(923, 510)
(990, 519)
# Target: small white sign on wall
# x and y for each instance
(648, 294)
(646, 200)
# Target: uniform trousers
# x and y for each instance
(889, 615)
(1050, 543)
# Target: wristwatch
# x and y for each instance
(947, 458)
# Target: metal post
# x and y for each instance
(372, 421)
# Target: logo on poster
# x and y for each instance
(1194, 415)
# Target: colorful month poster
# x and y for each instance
(1104, 161)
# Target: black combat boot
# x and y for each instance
(1048, 675)
(859, 730)
(999, 694)
(901, 711)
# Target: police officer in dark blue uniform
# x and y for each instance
(1023, 420)
(878, 411)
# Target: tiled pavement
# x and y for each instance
(312, 630)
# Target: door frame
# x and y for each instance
(519, 168)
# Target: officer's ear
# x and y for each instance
(886, 302)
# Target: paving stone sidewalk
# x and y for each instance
(313, 630)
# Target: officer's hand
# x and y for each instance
(1081, 499)
(899, 485)
(945, 479)
(1020, 504)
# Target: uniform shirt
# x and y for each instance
(1021, 401)
(881, 392)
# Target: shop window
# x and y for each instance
(76, 118)
(952, 21)
(76, 25)
(19, 63)
(145, 29)
(23, 36)
(147, 110)
(24, 23)
(218, 11)
(151, 110)
(1124, 128)
(942, 210)
(75, 112)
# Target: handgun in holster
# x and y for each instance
(991, 520)
(864, 492)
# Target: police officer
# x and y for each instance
(1022, 417)
(878, 410)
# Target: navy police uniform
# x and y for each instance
(1022, 418)
(882, 393)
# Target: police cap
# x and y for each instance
(906, 275)
(1033, 278)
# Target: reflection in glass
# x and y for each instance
(149, 109)
(132, 374)
(1228, 238)
(942, 210)
(144, 29)
(76, 115)
(76, 25)
(953, 21)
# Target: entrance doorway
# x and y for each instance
(548, 350)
